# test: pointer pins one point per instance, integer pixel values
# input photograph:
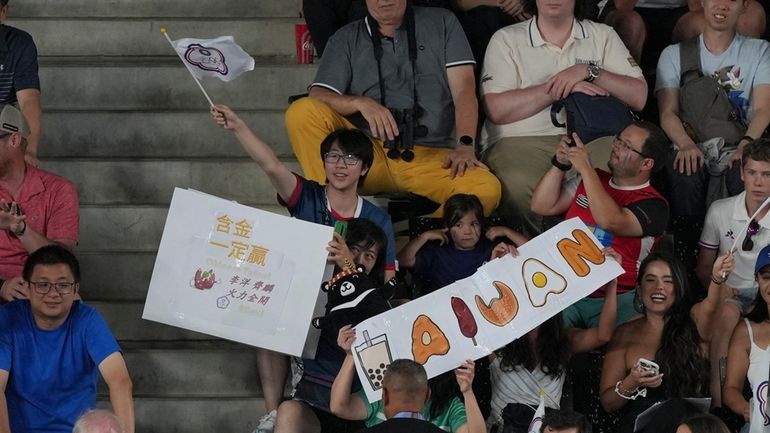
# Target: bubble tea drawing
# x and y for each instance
(374, 357)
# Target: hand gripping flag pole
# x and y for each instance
(165, 33)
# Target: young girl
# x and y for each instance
(458, 255)
(538, 361)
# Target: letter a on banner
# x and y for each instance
(427, 340)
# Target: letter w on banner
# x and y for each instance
(220, 57)
(470, 318)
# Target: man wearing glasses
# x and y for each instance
(620, 207)
(52, 350)
(37, 208)
(727, 220)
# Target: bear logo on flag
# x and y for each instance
(206, 58)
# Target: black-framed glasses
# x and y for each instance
(334, 157)
(751, 230)
(43, 287)
(626, 145)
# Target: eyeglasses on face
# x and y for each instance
(349, 159)
(626, 145)
(751, 230)
(43, 287)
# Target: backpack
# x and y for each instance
(704, 106)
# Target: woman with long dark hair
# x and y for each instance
(672, 333)
(748, 357)
(538, 362)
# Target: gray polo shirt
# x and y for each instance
(348, 67)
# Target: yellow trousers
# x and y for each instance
(309, 121)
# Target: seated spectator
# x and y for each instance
(724, 221)
(442, 256)
(309, 409)
(18, 71)
(741, 65)
(98, 421)
(37, 208)
(528, 67)
(664, 21)
(52, 350)
(404, 395)
(419, 104)
(703, 423)
(748, 357)
(670, 332)
(538, 362)
(482, 18)
(444, 409)
(324, 17)
(621, 207)
(347, 157)
(562, 421)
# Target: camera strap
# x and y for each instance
(376, 37)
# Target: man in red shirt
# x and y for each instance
(37, 208)
(620, 207)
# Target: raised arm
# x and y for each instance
(549, 198)
(584, 340)
(706, 312)
(115, 375)
(704, 265)
(282, 179)
(342, 403)
(737, 369)
(407, 257)
(475, 421)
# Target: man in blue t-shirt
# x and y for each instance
(52, 350)
(19, 82)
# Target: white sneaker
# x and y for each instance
(266, 423)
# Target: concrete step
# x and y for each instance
(154, 8)
(195, 415)
(191, 373)
(124, 229)
(151, 182)
(141, 37)
(154, 134)
(125, 321)
(116, 276)
(163, 84)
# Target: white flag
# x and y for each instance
(220, 57)
(537, 420)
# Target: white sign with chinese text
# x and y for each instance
(502, 301)
(236, 272)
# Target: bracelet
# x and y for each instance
(349, 265)
(636, 392)
(746, 137)
(556, 163)
(715, 280)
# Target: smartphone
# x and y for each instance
(341, 227)
(648, 365)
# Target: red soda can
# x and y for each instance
(304, 44)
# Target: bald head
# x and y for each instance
(405, 387)
(98, 421)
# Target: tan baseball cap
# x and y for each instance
(11, 120)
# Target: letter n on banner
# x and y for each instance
(577, 252)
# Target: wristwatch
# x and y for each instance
(466, 140)
(593, 72)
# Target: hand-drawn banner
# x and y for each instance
(239, 273)
(503, 300)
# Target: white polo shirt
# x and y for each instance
(518, 57)
(725, 218)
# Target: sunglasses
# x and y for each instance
(751, 230)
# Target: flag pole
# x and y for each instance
(163, 30)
